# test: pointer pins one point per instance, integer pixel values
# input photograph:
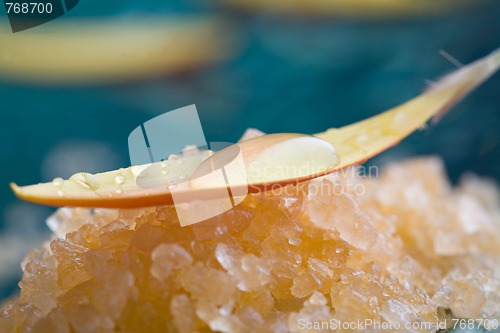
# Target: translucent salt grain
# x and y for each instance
(167, 257)
(250, 271)
(409, 249)
(183, 313)
(319, 267)
(396, 312)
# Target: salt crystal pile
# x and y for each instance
(407, 248)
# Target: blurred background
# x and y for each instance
(297, 67)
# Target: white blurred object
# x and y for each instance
(71, 156)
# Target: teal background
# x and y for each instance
(291, 74)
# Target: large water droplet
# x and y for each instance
(267, 159)
(86, 180)
(288, 156)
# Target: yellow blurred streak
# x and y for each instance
(109, 50)
(349, 8)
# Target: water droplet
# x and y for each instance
(268, 158)
(120, 178)
(399, 120)
(276, 157)
(57, 182)
(119, 190)
(359, 141)
(172, 157)
(339, 250)
(164, 168)
(86, 180)
(344, 279)
(171, 186)
(60, 193)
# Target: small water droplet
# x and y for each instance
(344, 279)
(86, 180)
(119, 190)
(399, 120)
(57, 182)
(60, 193)
(164, 168)
(172, 157)
(171, 186)
(339, 250)
(362, 140)
(120, 178)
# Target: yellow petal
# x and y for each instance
(353, 144)
(350, 8)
